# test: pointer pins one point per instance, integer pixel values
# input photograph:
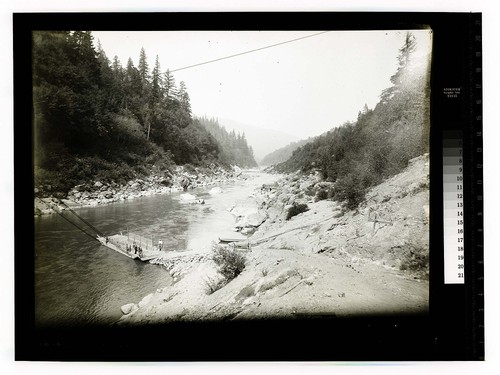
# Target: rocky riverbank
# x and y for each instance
(99, 193)
(322, 260)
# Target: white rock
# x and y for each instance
(215, 191)
(129, 308)
(187, 197)
(237, 170)
(249, 230)
(241, 223)
(249, 301)
(305, 185)
(255, 219)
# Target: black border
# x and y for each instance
(450, 332)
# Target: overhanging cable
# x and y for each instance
(82, 219)
(76, 225)
(247, 52)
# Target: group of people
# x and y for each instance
(138, 249)
(135, 248)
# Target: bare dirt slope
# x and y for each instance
(321, 262)
(390, 228)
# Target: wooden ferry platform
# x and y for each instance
(132, 246)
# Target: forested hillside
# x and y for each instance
(283, 154)
(94, 118)
(234, 147)
(380, 143)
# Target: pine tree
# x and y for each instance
(400, 78)
(110, 93)
(133, 86)
(117, 65)
(156, 84)
(184, 98)
(169, 86)
(67, 87)
(143, 67)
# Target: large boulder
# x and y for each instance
(129, 308)
(135, 185)
(255, 219)
(215, 191)
(241, 223)
(305, 185)
(237, 170)
(243, 210)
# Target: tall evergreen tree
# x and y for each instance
(110, 92)
(143, 66)
(68, 87)
(169, 86)
(184, 98)
(117, 65)
(118, 82)
(133, 86)
(400, 78)
(156, 84)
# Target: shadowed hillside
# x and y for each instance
(96, 119)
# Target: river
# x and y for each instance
(79, 282)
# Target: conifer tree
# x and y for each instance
(143, 67)
(184, 98)
(156, 83)
(169, 86)
(400, 78)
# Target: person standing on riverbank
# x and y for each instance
(160, 245)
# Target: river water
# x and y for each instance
(79, 282)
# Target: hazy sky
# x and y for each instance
(303, 88)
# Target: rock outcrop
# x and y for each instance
(99, 192)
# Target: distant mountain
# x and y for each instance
(263, 141)
(283, 154)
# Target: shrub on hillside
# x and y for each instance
(230, 263)
(350, 191)
(296, 209)
(415, 259)
(321, 195)
(352, 187)
(159, 160)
